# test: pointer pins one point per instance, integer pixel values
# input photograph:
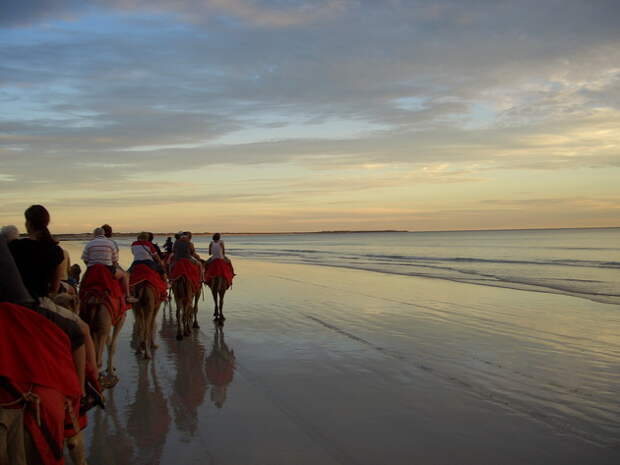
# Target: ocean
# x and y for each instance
(579, 262)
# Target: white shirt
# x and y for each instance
(216, 249)
(141, 252)
(100, 250)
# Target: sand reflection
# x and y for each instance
(190, 383)
(220, 366)
(148, 419)
(110, 443)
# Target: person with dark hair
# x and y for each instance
(36, 363)
(168, 245)
(74, 275)
(184, 248)
(14, 290)
(38, 257)
(157, 249)
(217, 250)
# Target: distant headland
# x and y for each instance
(86, 235)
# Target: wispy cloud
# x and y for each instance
(445, 94)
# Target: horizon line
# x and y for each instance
(352, 231)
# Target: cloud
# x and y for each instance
(261, 13)
(318, 89)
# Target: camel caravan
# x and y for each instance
(54, 326)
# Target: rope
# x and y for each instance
(27, 398)
(76, 424)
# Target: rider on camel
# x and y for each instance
(168, 245)
(151, 238)
(217, 250)
(184, 248)
(145, 253)
(104, 251)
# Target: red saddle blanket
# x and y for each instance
(99, 282)
(36, 357)
(191, 271)
(141, 273)
(219, 267)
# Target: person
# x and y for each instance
(107, 232)
(104, 251)
(65, 265)
(40, 361)
(184, 248)
(144, 253)
(151, 237)
(10, 232)
(38, 257)
(13, 289)
(217, 250)
(74, 275)
(168, 245)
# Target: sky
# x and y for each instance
(293, 115)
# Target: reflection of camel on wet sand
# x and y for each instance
(110, 442)
(148, 421)
(220, 367)
(190, 383)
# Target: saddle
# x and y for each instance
(99, 287)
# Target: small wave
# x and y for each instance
(412, 259)
(439, 268)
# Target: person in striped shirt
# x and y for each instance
(103, 251)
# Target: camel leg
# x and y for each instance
(77, 450)
(112, 345)
(148, 330)
(179, 332)
(103, 325)
(154, 305)
(216, 310)
(140, 311)
(153, 321)
(187, 317)
(221, 293)
(195, 309)
(138, 329)
(145, 337)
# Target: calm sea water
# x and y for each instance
(580, 262)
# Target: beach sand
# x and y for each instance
(337, 366)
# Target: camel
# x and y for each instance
(145, 312)
(187, 306)
(12, 439)
(104, 332)
(218, 286)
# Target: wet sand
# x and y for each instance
(337, 366)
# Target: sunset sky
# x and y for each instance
(291, 115)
